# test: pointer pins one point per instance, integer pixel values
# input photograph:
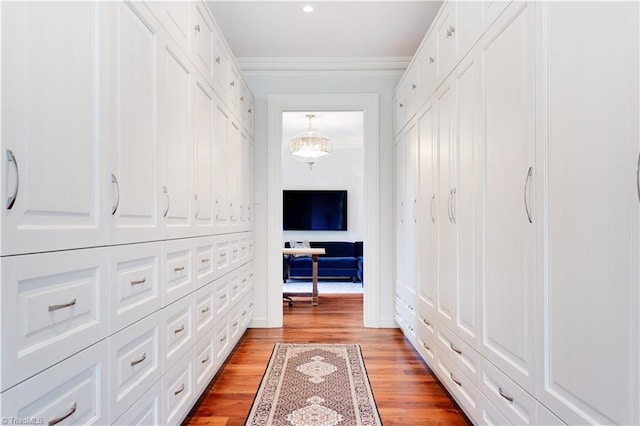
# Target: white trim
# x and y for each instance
(319, 64)
(276, 105)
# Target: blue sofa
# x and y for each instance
(343, 259)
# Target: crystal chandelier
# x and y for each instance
(309, 146)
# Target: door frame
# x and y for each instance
(368, 104)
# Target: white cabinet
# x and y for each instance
(179, 331)
(175, 112)
(400, 212)
(179, 275)
(179, 389)
(411, 212)
(203, 39)
(203, 157)
(507, 111)
(222, 124)
(587, 205)
(176, 18)
(147, 410)
(132, 130)
(54, 179)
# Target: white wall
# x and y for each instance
(331, 82)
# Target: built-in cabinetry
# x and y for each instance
(528, 196)
(123, 290)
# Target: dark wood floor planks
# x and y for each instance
(406, 391)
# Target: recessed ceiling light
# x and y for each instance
(308, 8)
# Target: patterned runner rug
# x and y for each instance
(314, 385)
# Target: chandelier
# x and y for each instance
(309, 146)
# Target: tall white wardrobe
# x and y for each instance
(517, 209)
(126, 228)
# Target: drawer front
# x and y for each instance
(205, 309)
(145, 411)
(235, 330)
(205, 261)
(458, 384)
(244, 249)
(179, 330)
(513, 402)
(205, 361)
(246, 275)
(426, 344)
(135, 290)
(222, 296)
(53, 305)
(489, 415)
(234, 252)
(179, 390)
(73, 390)
(234, 286)
(135, 362)
(178, 271)
(426, 322)
(465, 358)
(222, 255)
(222, 344)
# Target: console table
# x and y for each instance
(314, 252)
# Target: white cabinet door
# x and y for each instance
(176, 19)
(204, 107)
(465, 200)
(445, 38)
(507, 166)
(132, 133)
(428, 228)
(589, 195)
(400, 212)
(203, 39)
(220, 56)
(411, 209)
(222, 123)
(234, 174)
(175, 138)
(54, 177)
(447, 268)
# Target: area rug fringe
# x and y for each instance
(314, 385)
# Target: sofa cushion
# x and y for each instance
(335, 248)
(337, 262)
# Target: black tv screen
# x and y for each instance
(314, 210)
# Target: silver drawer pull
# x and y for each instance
(64, 416)
(217, 59)
(136, 282)
(205, 260)
(244, 313)
(426, 346)
(64, 305)
(204, 361)
(235, 324)
(244, 280)
(114, 180)
(526, 200)
(223, 339)
(197, 28)
(139, 360)
(235, 287)
(456, 350)
(427, 323)
(223, 296)
(179, 390)
(504, 395)
(205, 310)
(178, 269)
(457, 382)
(223, 254)
(178, 330)
(251, 305)
(12, 199)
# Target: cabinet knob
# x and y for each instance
(241, 98)
(431, 59)
(249, 110)
(233, 84)
(401, 105)
(197, 28)
(450, 31)
(217, 59)
(413, 86)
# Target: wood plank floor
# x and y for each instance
(406, 391)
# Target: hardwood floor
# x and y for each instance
(406, 391)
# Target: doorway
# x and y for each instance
(277, 106)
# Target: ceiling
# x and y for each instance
(335, 29)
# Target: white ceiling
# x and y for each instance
(335, 29)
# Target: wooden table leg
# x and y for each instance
(314, 291)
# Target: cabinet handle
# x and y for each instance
(449, 206)
(453, 210)
(401, 105)
(450, 31)
(217, 209)
(198, 205)
(205, 260)
(241, 98)
(526, 201)
(178, 330)
(223, 296)
(178, 269)
(431, 59)
(233, 83)
(205, 310)
(197, 28)
(427, 323)
(504, 395)
(231, 210)
(249, 110)
(223, 339)
(402, 212)
(114, 180)
(456, 350)
(217, 59)
(235, 324)
(62, 306)
(424, 345)
(413, 86)
(235, 287)
(204, 361)
(638, 177)
(12, 199)
(136, 282)
(457, 382)
(179, 390)
(65, 416)
(139, 360)
(165, 191)
(415, 206)
(433, 199)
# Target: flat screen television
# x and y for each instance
(314, 210)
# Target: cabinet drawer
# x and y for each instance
(204, 306)
(465, 358)
(147, 410)
(458, 384)
(244, 249)
(489, 415)
(513, 402)
(222, 255)
(73, 390)
(234, 286)
(426, 322)
(178, 390)
(235, 330)
(222, 297)
(135, 283)
(222, 344)
(205, 361)
(245, 276)
(234, 253)
(53, 305)
(178, 271)
(135, 362)
(205, 261)
(178, 329)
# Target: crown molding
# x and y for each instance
(271, 65)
